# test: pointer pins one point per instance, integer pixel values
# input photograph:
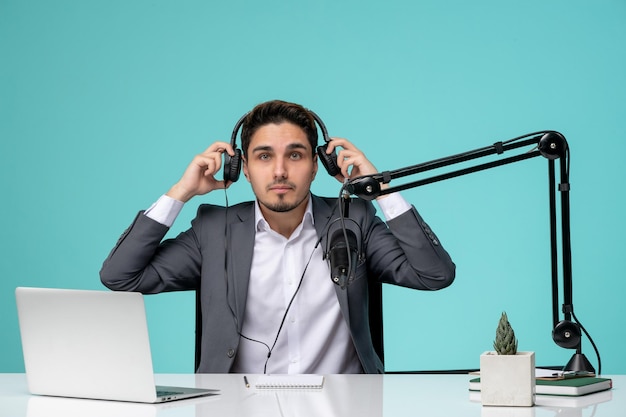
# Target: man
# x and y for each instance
(268, 303)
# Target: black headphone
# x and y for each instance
(232, 164)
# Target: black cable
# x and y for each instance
(595, 348)
(226, 275)
(325, 230)
(282, 322)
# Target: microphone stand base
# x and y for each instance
(579, 362)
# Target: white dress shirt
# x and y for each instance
(314, 338)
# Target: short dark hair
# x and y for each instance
(277, 111)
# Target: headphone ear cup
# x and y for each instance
(328, 160)
(232, 166)
(566, 334)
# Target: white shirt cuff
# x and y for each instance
(165, 210)
(393, 205)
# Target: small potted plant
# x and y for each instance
(507, 377)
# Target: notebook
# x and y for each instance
(90, 344)
(283, 381)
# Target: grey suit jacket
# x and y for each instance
(215, 255)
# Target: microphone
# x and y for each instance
(343, 256)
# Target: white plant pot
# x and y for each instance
(507, 380)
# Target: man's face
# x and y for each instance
(280, 166)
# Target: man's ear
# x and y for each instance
(315, 166)
(245, 167)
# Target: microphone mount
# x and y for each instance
(551, 145)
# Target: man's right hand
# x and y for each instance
(199, 177)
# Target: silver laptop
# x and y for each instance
(90, 344)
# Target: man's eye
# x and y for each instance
(296, 155)
(264, 156)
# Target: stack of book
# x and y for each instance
(562, 390)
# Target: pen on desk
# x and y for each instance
(245, 381)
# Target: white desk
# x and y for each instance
(343, 395)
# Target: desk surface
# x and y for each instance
(391, 395)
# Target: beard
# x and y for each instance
(281, 203)
(282, 206)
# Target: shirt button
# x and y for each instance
(230, 352)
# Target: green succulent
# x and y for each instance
(505, 343)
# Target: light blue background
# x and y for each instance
(103, 104)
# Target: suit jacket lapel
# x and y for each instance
(240, 247)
